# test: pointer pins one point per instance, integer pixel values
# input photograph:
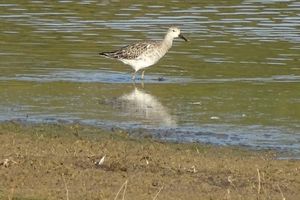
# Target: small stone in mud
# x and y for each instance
(155, 183)
(161, 79)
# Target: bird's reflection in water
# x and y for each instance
(138, 103)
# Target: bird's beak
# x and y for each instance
(182, 37)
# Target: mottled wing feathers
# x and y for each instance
(131, 51)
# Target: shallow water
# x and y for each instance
(235, 83)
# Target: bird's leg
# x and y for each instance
(143, 74)
(133, 75)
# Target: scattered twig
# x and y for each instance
(197, 150)
(259, 181)
(192, 169)
(230, 180)
(124, 191)
(228, 196)
(101, 161)
(146, 158)
(66, 187)
(7, 162)
(10, 196)
(125, 187)
(283, 198)
(154, 198)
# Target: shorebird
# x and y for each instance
(144, 54)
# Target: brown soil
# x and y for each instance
(58, 162)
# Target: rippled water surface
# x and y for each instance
(237, 82)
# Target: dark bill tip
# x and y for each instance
(182, 37)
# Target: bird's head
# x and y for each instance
(174, 32)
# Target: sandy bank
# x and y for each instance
(55, 161)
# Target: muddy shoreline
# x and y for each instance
(61, 161)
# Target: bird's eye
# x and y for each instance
(173, 30)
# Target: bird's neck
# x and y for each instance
(167, 42)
